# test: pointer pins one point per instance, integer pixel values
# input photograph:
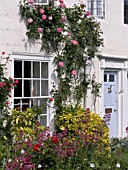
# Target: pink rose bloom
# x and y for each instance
(50, 99)
(16, 81)
(44, 17)
(10, 78)
(74, 72)
(62, 5)
(41, 10)
(59, 29)
(61, 64)
(50, 18)
(30, 1)
(30, 20)
(61, 1)
(7, 102)
(74, 42)
(63, 18)
(39, 29)
(10, 85)
(87, 13)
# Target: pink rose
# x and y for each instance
(61, 1)
(74, 42)
(7, 102)
(44, 17)
(61, 64)
(16, 81)
(62, 5)
(30, 1)
(59, 29)
(50, 18)
(41, 10)
(30, 20)
(39, 29)
(63, 18)
(50, 99)
(10, 78)
(10, 85)
(74, 72)
(87, 13)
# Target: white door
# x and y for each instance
(110, 101)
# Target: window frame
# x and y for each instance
(37, 59)
(102, 16)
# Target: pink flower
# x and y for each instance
(30, 20)
(61, 1)
(10, 78)
(39, 29)
(50, 99)
(63, 18)
(41, 10)
(74, 42)
(30, 1)
(62, 5)
(3, 52)
(16, 81)
(44, 17)
(50, 18)
(69, 34)
(87, 13)
(10, 85)
(59, 29)
(61, 64)
(74, 72)
(7, 103)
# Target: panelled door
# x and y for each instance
(110, 101)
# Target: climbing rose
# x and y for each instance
(74, 72)
(61, 64)
(62, 5)
(87, 13)
(7, 102)
(74, 42)
(16, 81)
(30, 20)
(41, 11)
(55, 140)
(59, 29)
(39, 29)
(63, 18)
(44, 17)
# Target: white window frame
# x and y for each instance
(41, 3)
(102, 16)
(36, 59)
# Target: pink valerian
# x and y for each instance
(39, 29)
(74, 72)
(74, 42)
(30, 20)
(61, 64)
(59, 29)
(44, 17)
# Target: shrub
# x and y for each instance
(76, 119)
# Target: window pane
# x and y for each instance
(44, 70)
(105, 77)
(36, 69)
(43, 120)
(111, 78)
(27, 69)
(27, 87)
(18, 89)
(126, 12)
(17, 69)
(44, 88)
(36, 87)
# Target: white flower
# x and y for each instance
(39, 166)
(57, 3)
(9, 160)
(92, 165)
(65, 33)
(22, 151)
(118, 165)
(26, 140)
(4, 123)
